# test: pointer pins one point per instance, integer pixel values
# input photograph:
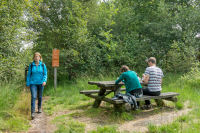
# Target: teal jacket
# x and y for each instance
(130, 80)
(37, 75)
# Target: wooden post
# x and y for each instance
(55, 77)
(97, 102)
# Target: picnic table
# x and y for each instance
(107, 87)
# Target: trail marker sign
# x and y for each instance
(55, 58)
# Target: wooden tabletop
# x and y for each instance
(105, 83)
(108, 83)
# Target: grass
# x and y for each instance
(184, 124)
(67, 97)
(14, 109)
(104, 115)
(67, 125)
(105, 129)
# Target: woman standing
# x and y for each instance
(36, 80)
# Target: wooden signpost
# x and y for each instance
(55, 64)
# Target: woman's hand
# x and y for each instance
(44, 83)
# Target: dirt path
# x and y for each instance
(42, 123)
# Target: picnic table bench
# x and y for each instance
(107, 87)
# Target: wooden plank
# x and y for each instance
(90, 91)
(101, 82)
(109, 100)
(162, 96)
(97, 91)
(173, 99)
(167, 96)
(105, 83)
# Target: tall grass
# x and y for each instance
(14, 108)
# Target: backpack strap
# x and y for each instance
(31, 68)
(42, 67)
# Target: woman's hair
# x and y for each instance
(124, 68)
(37, 54)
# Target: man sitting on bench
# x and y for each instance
(153, 78)
(131, 81)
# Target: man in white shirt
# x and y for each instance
(153, 78)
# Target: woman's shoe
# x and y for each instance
(146, 107)
(32, 116)
(39, 110)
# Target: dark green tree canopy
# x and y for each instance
(96, 36)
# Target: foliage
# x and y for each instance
(96, 37)
(183, 59)
(193, 74)
(63, 26)
(14, 32)
(14, 109)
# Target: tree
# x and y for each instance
(13, 30)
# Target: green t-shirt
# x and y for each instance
(130, 80)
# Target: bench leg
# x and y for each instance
(160, 102)
(97, 102)
(117, 90)
(173, 99)
(118, 107)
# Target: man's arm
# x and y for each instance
(121, 77)
(145, 78)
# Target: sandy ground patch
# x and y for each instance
(141, 121)
(141, 124)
